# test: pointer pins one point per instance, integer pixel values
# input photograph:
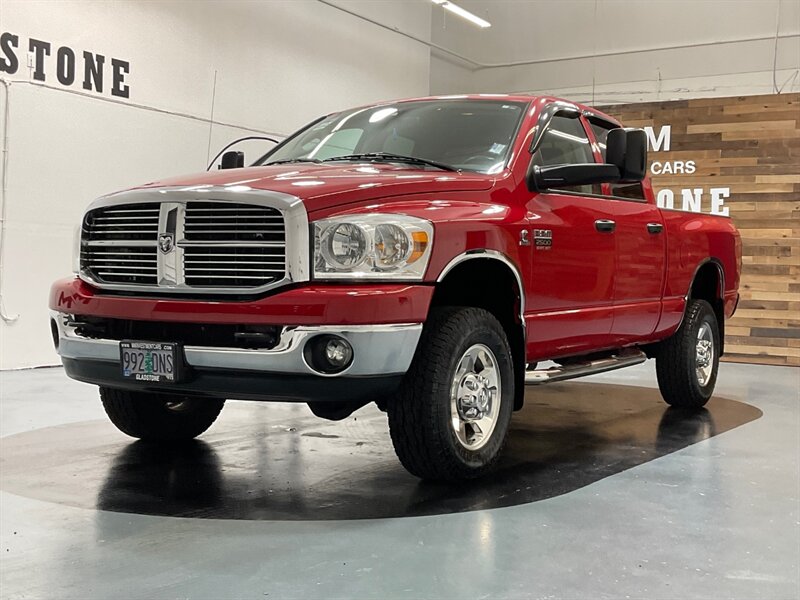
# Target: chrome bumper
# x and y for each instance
(377, 350)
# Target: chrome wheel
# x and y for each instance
(475, 397)
(704, 354)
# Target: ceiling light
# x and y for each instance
(463, 13)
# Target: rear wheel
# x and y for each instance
(450, 419)
(151, 416)
(687, 362)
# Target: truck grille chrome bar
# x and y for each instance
(191, 245)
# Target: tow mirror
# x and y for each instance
(232, 160)
(626, 161)
(541, 178)
(627, 150)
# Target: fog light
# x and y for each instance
(328, 354)
(338, 352)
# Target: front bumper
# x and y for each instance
(381, 355)
(382, 321)
(311, 304)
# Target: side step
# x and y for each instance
(590, 367)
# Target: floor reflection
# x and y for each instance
(279, 462)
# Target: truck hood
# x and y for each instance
(336, 184)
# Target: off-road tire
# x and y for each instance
(420, 419)
(163, 417)
(676, 359)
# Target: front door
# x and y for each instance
(573, 254)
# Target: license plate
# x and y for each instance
(152, 362)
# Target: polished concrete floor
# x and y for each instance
(601, 493)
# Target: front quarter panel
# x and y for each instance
(470, 222)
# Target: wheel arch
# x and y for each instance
(708, 283)
(500, 290)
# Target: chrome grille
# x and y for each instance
(205, 246)
(232, 223)
(237, 245)
(238, 266)
(130, 223)
(116, 244)
(121, 264)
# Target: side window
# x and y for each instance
(565, 142)
(634, 191)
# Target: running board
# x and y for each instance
(592, 367)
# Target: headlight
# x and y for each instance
(344, 246)
(379, 246)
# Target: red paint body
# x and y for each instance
(306, 305)
(589, 291)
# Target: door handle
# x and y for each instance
(655, 227)
(605, 225)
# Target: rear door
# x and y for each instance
(573, 253)
(640, 253)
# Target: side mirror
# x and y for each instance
(627, 149)
(235, 160)
(232, 160)
(542, 178)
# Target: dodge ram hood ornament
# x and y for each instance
(166, 242)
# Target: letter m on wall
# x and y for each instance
(664, 137)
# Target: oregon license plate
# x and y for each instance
(149, 361)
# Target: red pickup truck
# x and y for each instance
(424, 255)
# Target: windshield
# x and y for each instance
(469, 135)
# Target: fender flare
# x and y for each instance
(720, 296)
(495, 255)
(720, 268)
(487, 253)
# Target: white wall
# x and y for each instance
(548, 31)
(278, 64)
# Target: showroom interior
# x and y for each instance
(599, 490)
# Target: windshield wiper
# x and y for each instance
(286, 161)
(389, 157)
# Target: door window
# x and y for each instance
(566, 142)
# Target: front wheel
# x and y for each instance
(450, 419)
(687, 362)
(164, 417)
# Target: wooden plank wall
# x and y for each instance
(752, 146)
